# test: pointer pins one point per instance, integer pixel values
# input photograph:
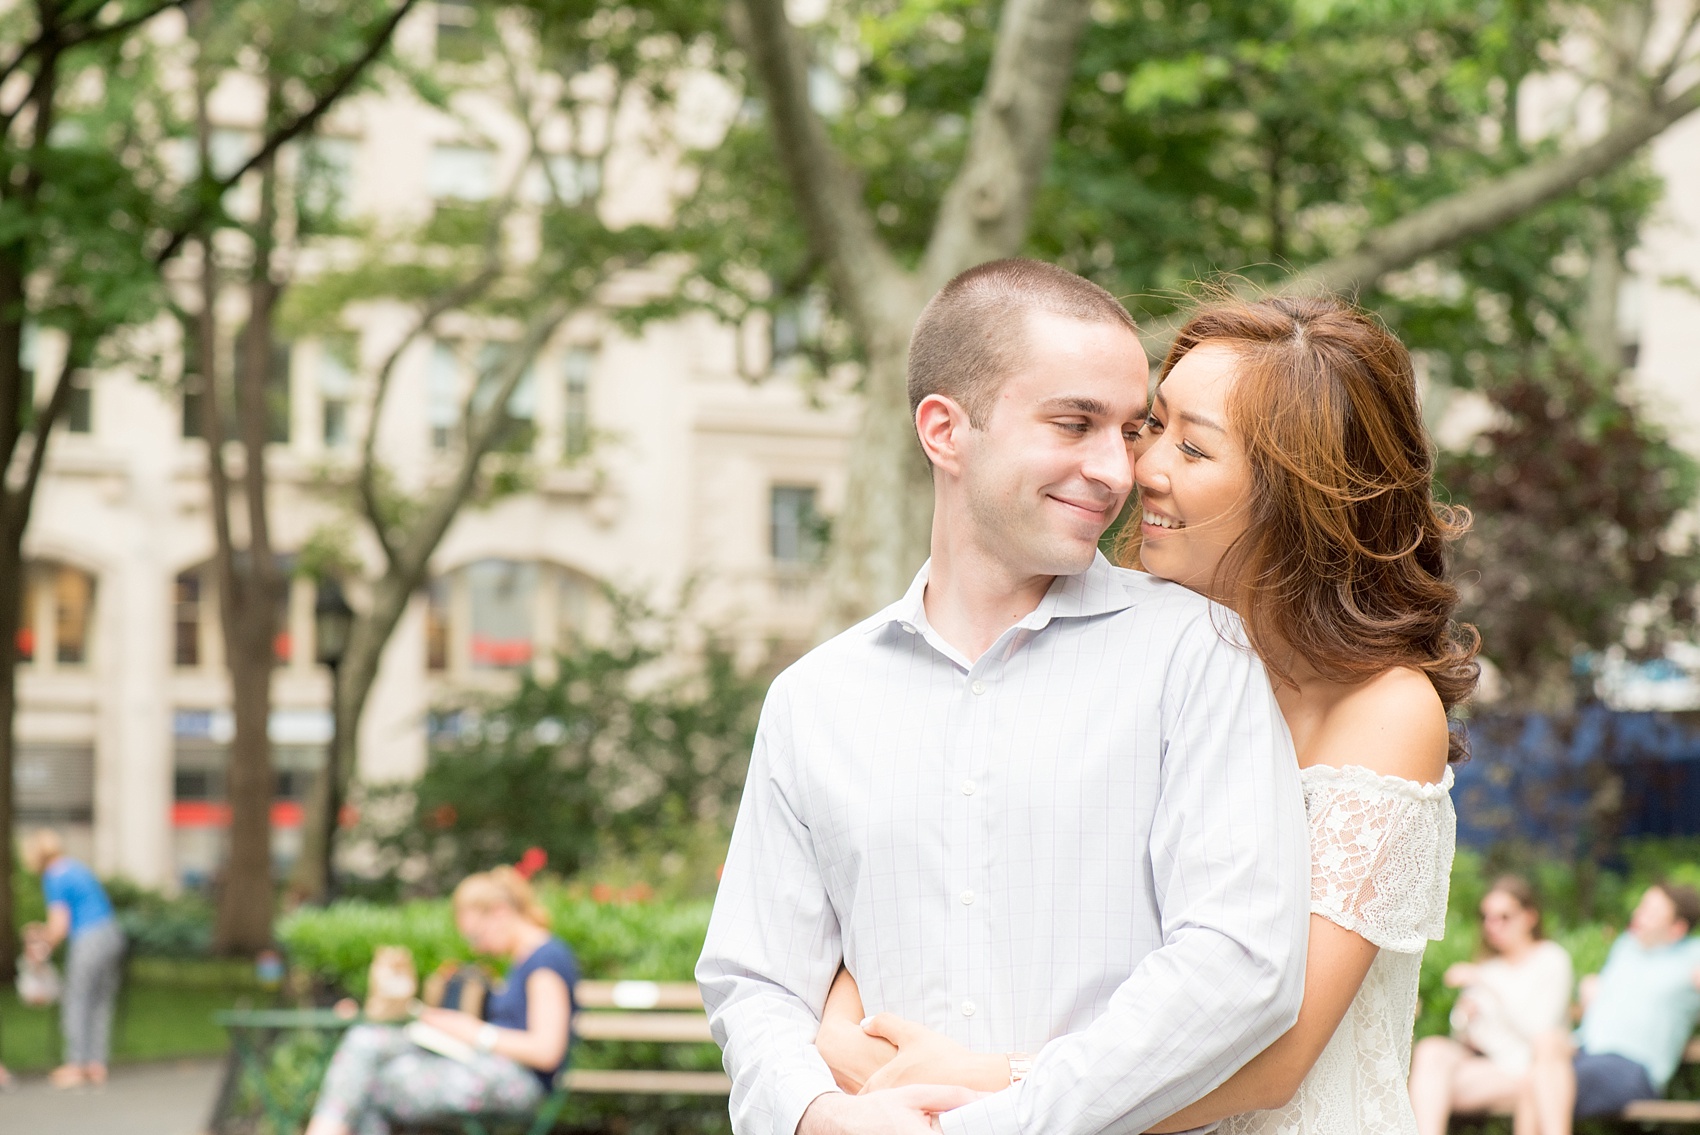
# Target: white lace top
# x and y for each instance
(1381, 861)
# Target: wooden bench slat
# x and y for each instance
(666, 1027)
(667, 995)
(1664, 1111)
(614, 1081)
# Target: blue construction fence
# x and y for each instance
(1579, 782)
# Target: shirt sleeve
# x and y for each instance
(1381, 855)
(773, 946)
(55, 888)
(1231, 867)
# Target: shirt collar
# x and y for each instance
(1095, 591)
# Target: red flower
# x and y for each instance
(601, 892)
(444, 816)
(533, 861)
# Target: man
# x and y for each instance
(1040, 804)
(1637, 1015)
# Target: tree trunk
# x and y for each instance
(250, 618)
(356, 676)
(11, 590)
(881, 535)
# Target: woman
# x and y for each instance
(1285, 472)
(1520, 992)
(78, 909)
(378, 1076)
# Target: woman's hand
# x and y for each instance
(461, 1026)
(852, 1054)
(1459, 974)
(926, 1057)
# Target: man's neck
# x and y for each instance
(972, 597)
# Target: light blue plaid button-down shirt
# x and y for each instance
(1089, 844)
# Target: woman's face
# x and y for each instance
(1192, 470)
(1507, 924)
(487, 929)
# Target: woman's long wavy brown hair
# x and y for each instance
(1344, 559)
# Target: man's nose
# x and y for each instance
(1111, 465)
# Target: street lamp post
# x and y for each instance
(332, 621)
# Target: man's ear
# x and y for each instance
(939, 423)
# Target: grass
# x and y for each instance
(165, 1012)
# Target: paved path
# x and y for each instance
(145, 1099)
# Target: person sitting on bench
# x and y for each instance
(1637, 1015)
(379, 1076)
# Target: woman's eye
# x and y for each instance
(1191, 450)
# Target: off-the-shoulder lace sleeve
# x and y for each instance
(1381, 854)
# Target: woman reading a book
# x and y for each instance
(502, 1063)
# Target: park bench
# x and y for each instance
(1679, 1113)
(607, 1011)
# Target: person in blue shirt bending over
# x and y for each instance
(1637, 1015)
(78, 909)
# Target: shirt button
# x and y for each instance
(967, 898)
(907, 629)
(968, 1008)
(978, 687)
(968, 788)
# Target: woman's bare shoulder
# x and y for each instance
(1393, 724)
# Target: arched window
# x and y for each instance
(56, 622)
(496, 615)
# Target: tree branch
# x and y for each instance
(986, 210)
(1465, 215)
(1480, 209)
(484, 431)
(94, 33)
(287, 133)
(45, 420)
(366, 480)
(840, 229)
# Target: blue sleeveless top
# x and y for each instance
(506, 1005)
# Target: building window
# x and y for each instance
(457, 32)
(28, 607)
(336, 389)
(73, 597)
(500, 597)
(186, 609)
(442, 393)
(325, 184)
(57, 615)
(461, 173)
(795, 529)
(437, 625)
(576, 396)
(798, 324)
(563, 179)
(79, 407)
(277, 395)
(503, 615)
(522, 403)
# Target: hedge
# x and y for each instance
(643, 940)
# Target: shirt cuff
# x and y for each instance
(796, 1091)
(993, 1115)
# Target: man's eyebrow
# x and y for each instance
(1079, 404)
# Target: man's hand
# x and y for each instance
(926, 1057)
(898, 1111)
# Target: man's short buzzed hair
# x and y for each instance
(973, 333)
